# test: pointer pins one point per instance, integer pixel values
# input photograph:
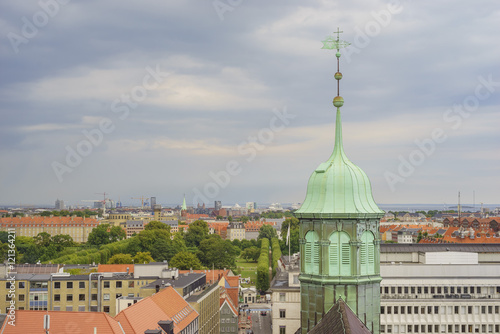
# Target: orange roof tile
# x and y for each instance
(62, 322)
(115, 268)
(38, 220)
(164, 305)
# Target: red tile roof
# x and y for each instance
(115, 268)
(45, 221)
(62, 322)
(164, 305)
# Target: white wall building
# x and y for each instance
(443, 295)
(285, 299)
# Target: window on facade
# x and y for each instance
(439, 289)
(429, 309)
(406, 290)
(452, 289)
(472, 289)
(367, 254)
(311, 255)
(118, 295)
(93, 296)
(400, 290)
(81, 297)
(131, 284)
(426, 290)
(382, 328)
(403, 309)
(69, 308)
(69, 285)
(57, 285)
(105, 309)
(466, 289)
(389, 309)
(419, 289)
(445, 289)
(282, 296)
(21, 285)
(69, 298)
(81, 308)
(386, 289)
(412, 290)
(93, 309)
(21, 298)
(483, 309)
(459, 289)
(478, 289)
(490, 309)
(282, 313)
(282, 329)
(409, 309)
(94, 285)
(57, 297)
(106, 284)
(340, 254)
(433, 289)
(118, 284)
(382, 309)
(436, 309)
(81, 285)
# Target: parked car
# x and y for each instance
(263, 313)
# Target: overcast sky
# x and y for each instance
(231, 99)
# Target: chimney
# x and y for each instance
(167, 326)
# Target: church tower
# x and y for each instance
(339, 234)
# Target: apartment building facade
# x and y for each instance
(77, 228)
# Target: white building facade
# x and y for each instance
(443, 297)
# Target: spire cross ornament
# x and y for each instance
(338, 32)
(330, 43)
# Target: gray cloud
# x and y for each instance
(226, 77)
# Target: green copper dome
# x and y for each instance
(338, 188)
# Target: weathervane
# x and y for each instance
(330, 43)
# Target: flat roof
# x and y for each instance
(181, 281)
(409, 248)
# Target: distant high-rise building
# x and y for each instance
(153, 202)
(59, 204)
(218, 205)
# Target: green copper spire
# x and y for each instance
(184, 206)
(338, 188)
(339, 234)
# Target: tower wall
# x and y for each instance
(358, 279)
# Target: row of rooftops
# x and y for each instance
(40, 221)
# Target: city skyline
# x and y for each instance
(231, 101)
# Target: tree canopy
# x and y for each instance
(198, 231)
(185, 260)
(267, 231)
